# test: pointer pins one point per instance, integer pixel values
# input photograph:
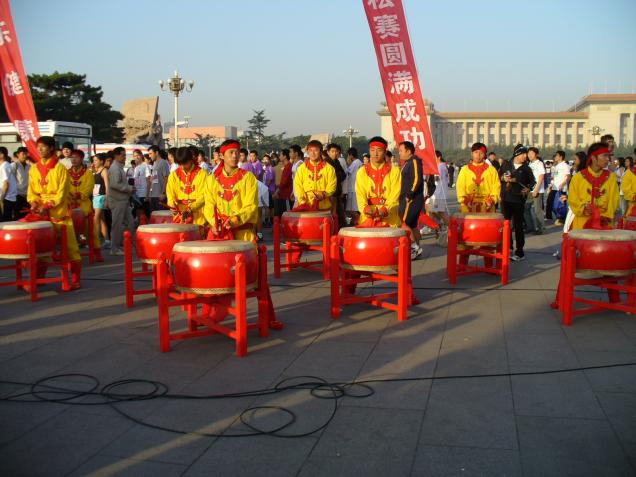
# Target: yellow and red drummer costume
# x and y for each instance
(593, 195)
(49, 194)
(628, 186)
(185, 194)
(315, 181)
(478, 185)
(231, 202)
(378, 188)
(81, 194)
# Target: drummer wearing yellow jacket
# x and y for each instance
(628, 186)
(315, 180)
(478, 184)
(81, 194)
(593, 193)
(231, 198)
(378, 188)
(48, 194)
(185, 189)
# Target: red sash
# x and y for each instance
(478, 171)
(45, 169)
(228, 183)
(596, 221)
(188, 178)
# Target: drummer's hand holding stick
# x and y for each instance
(319, 195)
(489, 203)
(230, 223)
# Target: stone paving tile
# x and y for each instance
(538, 352)
(470, 413)
(391, 395)
(19, 418)
(144, 443)
(262, 456)
(437, 461)
(105, 465)
(559, 446)
(339, 359)
(555, 395)
(366, 328)
(620, 408)
(384, 446)
(61, 444)
(466, 358)
(613, 380)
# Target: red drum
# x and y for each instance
(207, 267)
(79, 220)
(605, 252)
(480, 230)
(161, 217)
(13, 239)
(305, 227)
(370, 249)
(629, 223)
(152, 239)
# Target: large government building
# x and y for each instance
(579, 126)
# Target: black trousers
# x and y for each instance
(514, 211)
(20, 204)
(8, 210)
(280, 206)
(548, 204)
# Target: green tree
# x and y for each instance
(67, 97)
(206, 143)
(258, 123)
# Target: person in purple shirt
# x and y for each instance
(269, 179)
(254, 165)
(243, 163)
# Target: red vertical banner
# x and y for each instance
(398, 72)
(15, 85)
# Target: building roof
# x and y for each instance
(514, 115)
(191, 132)
(604, 98)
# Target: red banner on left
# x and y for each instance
(15, 85)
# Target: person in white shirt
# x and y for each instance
(437, 202)
(21, 167)
(535, 199)
(559, 183)
(67, 150)
(263, 206)
(352, 172)
(140, 181)
(8, 186)
(296, 156)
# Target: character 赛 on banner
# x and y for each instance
(15, 86)
(387, 22)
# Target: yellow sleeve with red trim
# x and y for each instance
(628, 186)
(492, 183)
(87, 183)
(578, 194)
(172, 190)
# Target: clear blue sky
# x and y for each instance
(310, 63)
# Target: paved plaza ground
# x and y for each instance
(574, 423)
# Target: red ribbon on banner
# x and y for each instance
(15, 85)
(404, 99)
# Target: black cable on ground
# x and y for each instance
(111, 394)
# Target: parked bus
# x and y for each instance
(80, 134)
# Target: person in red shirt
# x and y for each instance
(284, 188)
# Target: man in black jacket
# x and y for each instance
(517, 180)
(333, 155)
(411, 195)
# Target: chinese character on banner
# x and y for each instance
(4, 34)
(393, 54)
(415, 136)
(407, 111)
(386, 26)
(25, 129)
(401, 82)
(380, 4)
(15, 85)
(404, 99)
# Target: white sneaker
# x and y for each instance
(416, 252)
(517, 258)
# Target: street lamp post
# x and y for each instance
(350, 132)
(596, 132)
(176, 84)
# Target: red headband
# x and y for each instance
(377, 144)
(483, 149)
(227, 147)
(598, 152)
